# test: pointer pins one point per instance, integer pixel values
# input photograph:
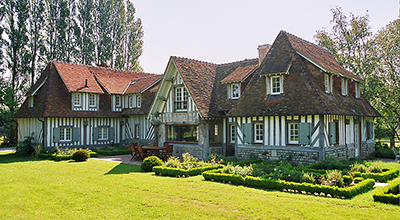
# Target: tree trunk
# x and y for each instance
(392, 142)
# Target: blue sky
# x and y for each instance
(221, 31)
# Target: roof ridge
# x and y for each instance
(194, 60)
(239, 61)
(216, 64)
(306, 41)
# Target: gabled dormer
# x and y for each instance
(235, 81)
(82, 101)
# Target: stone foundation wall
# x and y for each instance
(367, 148)
(217, 150)
(294, 154)
(339, 152)
(193, 149)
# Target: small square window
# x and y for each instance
(235, 91)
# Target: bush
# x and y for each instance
(150, 162)
(375, 169)
(24, 148)
(178, 172)
(238, 170)
(357, 167)
(80, 156)
(384, 153)
(334, 178)
(347, 180)
(308, 178)
(358, 179)
(173, 162)
(388, 194)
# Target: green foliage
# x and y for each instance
(384, 153)
(329, 163)
(388, 194)
(150, 162)
(173, 162)
(385, 176)
(334, 178)
(179, 172)
(80, 156)
(308, 178)
(347, 180)
(238, 170)
(358, 168)
(358, 179)
(375, 169)
(24, 147)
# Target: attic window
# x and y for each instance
(276, 85)
(328, 83)
(92, 100)
(77, 99)
(118, 101)
(30, 101)
(344, 87)
(181, 98)
(357, 90)
(235, 91)
(138, 101)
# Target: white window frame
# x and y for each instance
(279, 89)
(137, 131)
(328, 83)
(103, 133)
(258, 132)
(181, 99)
(357, 90)
(130, 101)
(92, 100)
(65, 134)
(138, 100)
(216, 131)
(232, 130)
(293, 126)
(344, 87)
(77, 99)
(117, 101)
(235, 91)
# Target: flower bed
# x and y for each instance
(388, 194)
(258, 182)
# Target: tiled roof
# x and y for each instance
(139, 85)
(303, 86)
(116, 81)
(239, 74)
(77, 78)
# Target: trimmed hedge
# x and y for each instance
(243, 163)
(113, 152)
(273, 184)
(62, 157)
(388, 194)
(383, 177)
(177, 172)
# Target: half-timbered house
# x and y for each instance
(295, 101)
(75, 105)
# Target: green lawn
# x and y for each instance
(45, 189)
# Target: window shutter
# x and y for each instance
(332, 133)
(112, 133)
(281, 84)
(304, 133)
(371, 130)
(268, 85)
(76, 132)
(56, 135)
(247, 132)
(95, 133)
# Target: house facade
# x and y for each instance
(295, 101)
(84, 106)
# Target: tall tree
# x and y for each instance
(387, 94)
(85, 34)
(133, 47)
(36, 37)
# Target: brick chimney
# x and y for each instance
(262, 51)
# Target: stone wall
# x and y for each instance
(367, 148)
(339, 152)
(294, 154)
(193, 149)
(217, 150)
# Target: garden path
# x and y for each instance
(125, 158)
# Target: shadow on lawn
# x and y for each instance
(13, 158)
(123, 168)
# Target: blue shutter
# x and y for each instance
(56, 135)
(371, 130)
(332, 133)
(112, 133)
(304, 133)
(76, 134)
(247, 137)
(95, 133)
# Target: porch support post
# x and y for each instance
(204, 128)
(321, 135)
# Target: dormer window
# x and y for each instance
(181, 98)
(130, 101)
(328, 83)
(77, 99)
(92, 100)
(235, 91)
(357, 90)
(117, 101)
(138, 101)
(30, 101)
(344, 87)
(276, 85)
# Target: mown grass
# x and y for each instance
(45, 189)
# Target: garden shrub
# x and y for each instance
(308, 178)
(358, 179)
(334, 178)
(347, 180)
(388, 194)
(24, 148)
(238, 170)
(179, 172)
(357, 167)
(173, 162)
(375, 169)
(150, 162)
(80, 156)
(384, 153)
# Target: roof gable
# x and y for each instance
(142, 84)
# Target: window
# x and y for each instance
(138, 101)
(182, 133)
(181, 98)
(130, 101)
(357, 90)
(30, 100)
(216, 130)
(276, 85)
(293, 131)
(77, 99)
(235, 88)
(118, 101)
(137, 131)
(103, 133)
(233, 133)
(65, 133)
(344, 87)
(92, 100)
(328, 83)
(258, 133)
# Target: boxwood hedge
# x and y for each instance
(388, 194)
(383, 177)
(257, 182)
(177, 172)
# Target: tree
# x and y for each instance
(387, 92)
(351, 43)
(84, 34)
(133, 41)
